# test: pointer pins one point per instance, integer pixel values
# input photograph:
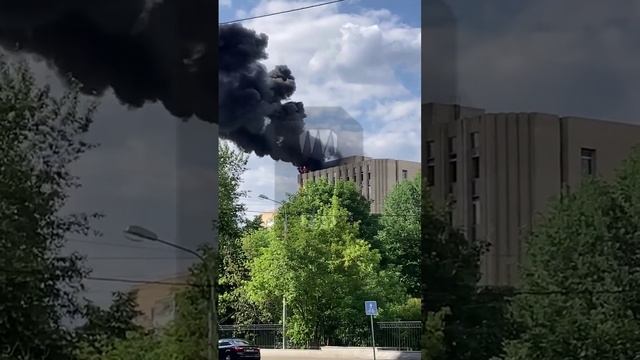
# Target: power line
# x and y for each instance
(280, 12)
(132, 281)
(105, 243)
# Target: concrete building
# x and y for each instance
(268, 218)
(500, 170)
(374, 177)
(156, 301)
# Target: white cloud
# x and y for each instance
(226, 3)
(339, 59)
(350, 60)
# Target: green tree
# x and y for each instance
(232, 225)
(325, 270)
(189, 331)
(40, 136)
(104, 327)
(580, 280)
(399, 235)
(433, 337)
(475, 322)
(317, 194)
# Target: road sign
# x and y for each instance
(371, 308)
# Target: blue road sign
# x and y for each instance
(371, 308)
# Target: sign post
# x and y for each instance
(371, 309)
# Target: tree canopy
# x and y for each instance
(399, 232)
(40, 136)
(580, 282)
(325, 271)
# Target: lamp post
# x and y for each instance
(138, 233)
(284, 298)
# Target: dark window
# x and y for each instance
(405, 173)
(588, 158)
(452, 146)
(430, 150)
(224, 343)
(475, 140)
(431, 175)
(475, 164)
(453, 171)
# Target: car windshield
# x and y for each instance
(242, 342)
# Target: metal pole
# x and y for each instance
(284, 298)
(211, 308)
(373, 338)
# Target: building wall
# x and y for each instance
(156, 302)
(523, 160)
(375, 178)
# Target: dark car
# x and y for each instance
(232, 349)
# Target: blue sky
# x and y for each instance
(363, 56)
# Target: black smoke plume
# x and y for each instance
(163, 50)
(145, 50)
(253, 109)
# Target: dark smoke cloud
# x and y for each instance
(145, 50)
(253, 109)
(163, 50)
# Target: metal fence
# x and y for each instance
(265, 336)
(399, 335)
(391, 335)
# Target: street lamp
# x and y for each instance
(284, 299)
(138, 233)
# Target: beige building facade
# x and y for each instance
(500, 170)
(156, 301)
(375, 178)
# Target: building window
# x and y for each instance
(452, 147)
(405, 174)
(453, 171)
(430, 154)
(475, 140)
(588, 157)
(431, 174)
(475, 165)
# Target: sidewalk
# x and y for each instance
(330, 352)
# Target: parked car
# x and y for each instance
(234, 349)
